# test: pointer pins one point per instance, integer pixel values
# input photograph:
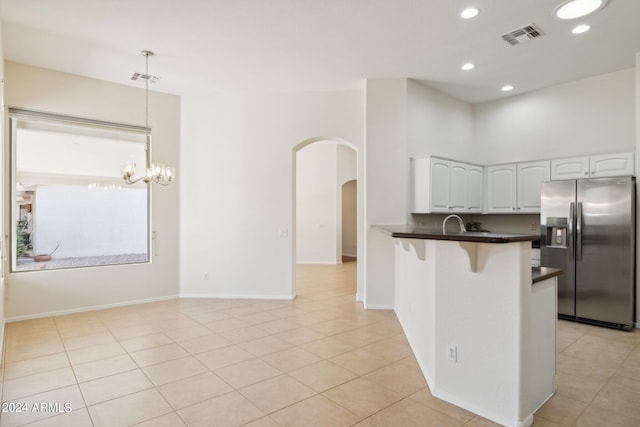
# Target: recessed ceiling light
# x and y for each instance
(468, 66)
(573, 9)
(581, 29)
(470, 12)
(506, 88)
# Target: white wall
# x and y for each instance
(44, 292)
(438, 124)
(594, 115)
(237, 185)
(387, 181)
(89, 221)
(317, 204)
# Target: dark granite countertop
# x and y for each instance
(408, 231)
(538, 274)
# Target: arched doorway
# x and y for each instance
(321, 166)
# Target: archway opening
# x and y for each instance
(325, 216)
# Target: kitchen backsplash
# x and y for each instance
(497, 223)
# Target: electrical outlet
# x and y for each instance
(452, 353)
(206, 276)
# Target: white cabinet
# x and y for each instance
(440, 183)
(449, 186)
(530, 177)
(501, 188)
(570, 168)
(458, 186)
(475, 179)
(446, 186)
(597, 166)
(604, 165)
(515, 188)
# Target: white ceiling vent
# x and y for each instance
(521, 35)
(138, 76)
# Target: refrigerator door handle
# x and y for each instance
(572, 206)
(579, 232)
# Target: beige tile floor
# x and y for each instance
(321, 360)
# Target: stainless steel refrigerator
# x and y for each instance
(588, 229)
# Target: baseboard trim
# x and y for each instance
(378, 307)
(239, 296)
(526, 422)
(89, 308)
(317, 263)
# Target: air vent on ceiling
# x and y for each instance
(521, 35)
(138, 76)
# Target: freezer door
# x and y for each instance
(557, 226)
(606, 250)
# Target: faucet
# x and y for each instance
(444, 224)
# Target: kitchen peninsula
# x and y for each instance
(483, 332)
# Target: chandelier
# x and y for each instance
(154, 172)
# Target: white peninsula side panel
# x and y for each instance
(467, 309)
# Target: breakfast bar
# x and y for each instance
(482, 330)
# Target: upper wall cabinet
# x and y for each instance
(515, 188)
(598, 166)
(445, 186)
(604, 165)
(530, 177)
(570, 168)
(501, 188)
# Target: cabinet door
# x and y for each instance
(604, 165)
(474, 188)
(570, 168)
(530, 176)
(458, 187)
(440, 185)
(501, 189)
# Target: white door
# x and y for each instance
(474, 189)
(458, 187)
(604, 165)
(501, 189)
(530, 176)
(440, 185)
(570, 168)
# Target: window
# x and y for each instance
(70, 205)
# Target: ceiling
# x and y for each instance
(312, 45)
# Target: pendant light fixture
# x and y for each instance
(154, 172)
